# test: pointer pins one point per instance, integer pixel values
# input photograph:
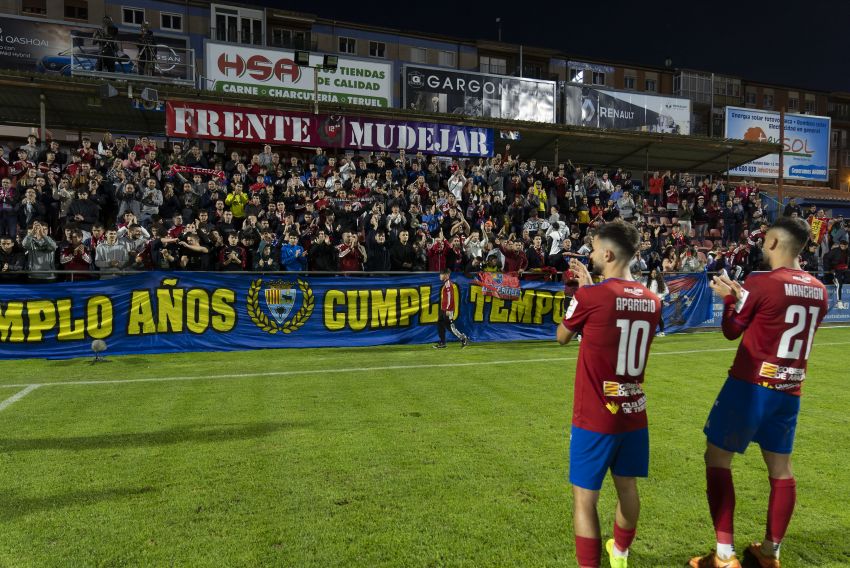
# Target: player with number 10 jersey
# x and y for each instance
(617, 319)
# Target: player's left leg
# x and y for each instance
(625, 520)
(783, 496)
(464, 340)
(776, 438)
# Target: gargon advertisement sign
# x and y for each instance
(625, 110)
(274, 73)
(477, 94)
(274, 126)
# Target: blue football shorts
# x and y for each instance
(593, 454)
(745, 412)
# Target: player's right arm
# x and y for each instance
(739, 306)
(577, 314)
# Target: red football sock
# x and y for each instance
(623, 538)
(588, 551)
(783, 495)
(721, 502)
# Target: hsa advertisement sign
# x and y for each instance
(806, 143)
(259, 71)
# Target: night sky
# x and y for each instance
(800, 44)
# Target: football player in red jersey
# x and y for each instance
(778, 312)
(446, 318)
(617, 319)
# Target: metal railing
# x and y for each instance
(93, 56)
(233, 34)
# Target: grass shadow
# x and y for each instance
(177, 435)
(14, 506)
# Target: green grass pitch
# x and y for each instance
(387, 456)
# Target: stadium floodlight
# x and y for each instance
(331, 62)
(149, 95)
(107, 91)
(302, 58)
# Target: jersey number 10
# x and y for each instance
(631, 354)
(789, 346)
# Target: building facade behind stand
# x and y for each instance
(198, 22)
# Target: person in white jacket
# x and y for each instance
(456, 183)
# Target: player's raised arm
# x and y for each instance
(736, 313)
(576, 312)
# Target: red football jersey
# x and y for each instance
(780, 312)
(617, 320)
(447, 297)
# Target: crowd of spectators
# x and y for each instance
(115, 205)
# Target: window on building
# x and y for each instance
(418, 55)
(751, 97)
(532, 70)
(292, 39)
(767, 101)
(847, 159)
(34, 7)
(347, 45)
(377, 49)
(237, 25)
(494, 65)
(793, 103)
(651, 85)
(173, 22)
(447, 58)
(77, 10)
(810, 106)
(132, 16)
(598, 78)
(576, 75)
(836, 138)
(629, 82)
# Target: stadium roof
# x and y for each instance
(75, 104)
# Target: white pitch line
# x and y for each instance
(17, 396)
(356, 369)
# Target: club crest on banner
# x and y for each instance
(278, 299)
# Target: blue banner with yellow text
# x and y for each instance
(155, 312)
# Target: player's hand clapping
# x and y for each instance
(582, 274)
(723, 286)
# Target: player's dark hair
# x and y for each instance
(624, 235)
(798, 230)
